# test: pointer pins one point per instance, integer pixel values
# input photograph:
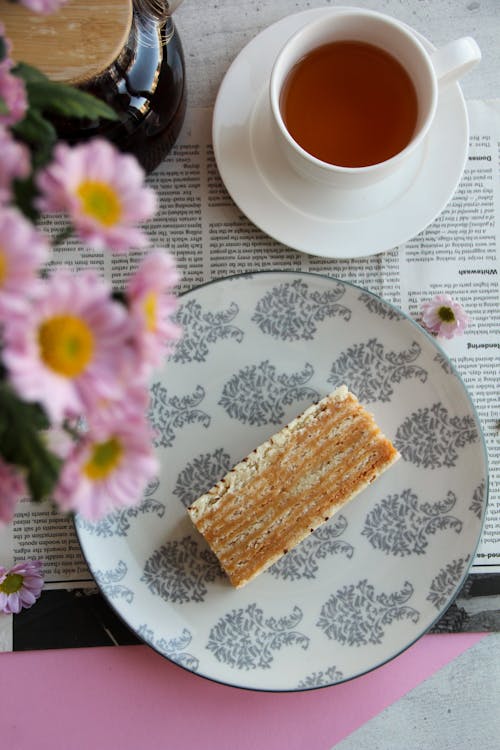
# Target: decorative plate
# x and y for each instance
(257, 350)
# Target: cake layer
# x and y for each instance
(291, 484)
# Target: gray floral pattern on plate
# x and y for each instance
(431, 438)
(445, 582)
(444, 363)
(303, 561)
(378, 307)
(291, 311)
(180, 570)
(202, 328)
(109, 582)
(356, 615)
(171, 413)
(172, 648)
(257, 394)
(400, 525)
(200, 474)
(117, 523)
(329, 676)
(371, 371)
(245, 639)
(478, 498)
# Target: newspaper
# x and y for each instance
(458, 253)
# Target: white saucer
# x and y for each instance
(317, 220)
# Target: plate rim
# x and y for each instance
(458, 585)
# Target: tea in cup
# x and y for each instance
(354, 93)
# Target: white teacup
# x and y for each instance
(428, 72)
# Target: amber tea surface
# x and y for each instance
(349, 103)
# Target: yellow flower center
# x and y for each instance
(100, 201)
(66, 344)
(13, 582)
(3, 265)
(150, 310)
(104, 459)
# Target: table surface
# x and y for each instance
(442, 693)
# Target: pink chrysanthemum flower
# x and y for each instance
(15, 163)
(122, 410)
(69, 349)
(12, 489)
(23, 250)
(152, 306)
(444, 316)
(58, 441)
(103, 192)
(13, 92)
(20, 586)
(43, 6)
(110, 468)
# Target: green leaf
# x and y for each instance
(28, 73)
(59, 98)
(21, 443)
(43, 471)
(67, 101)
(40, 135)
(35, 129)
(25, 193)
(4, 110)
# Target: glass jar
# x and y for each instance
(143, 79)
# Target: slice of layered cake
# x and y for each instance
(291, 484)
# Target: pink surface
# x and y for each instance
(132, 698)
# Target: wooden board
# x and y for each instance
(73, 44)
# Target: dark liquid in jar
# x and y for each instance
(146, 88)
(350, 103)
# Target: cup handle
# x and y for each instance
(455, 59)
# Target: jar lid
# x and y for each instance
(73, 44)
